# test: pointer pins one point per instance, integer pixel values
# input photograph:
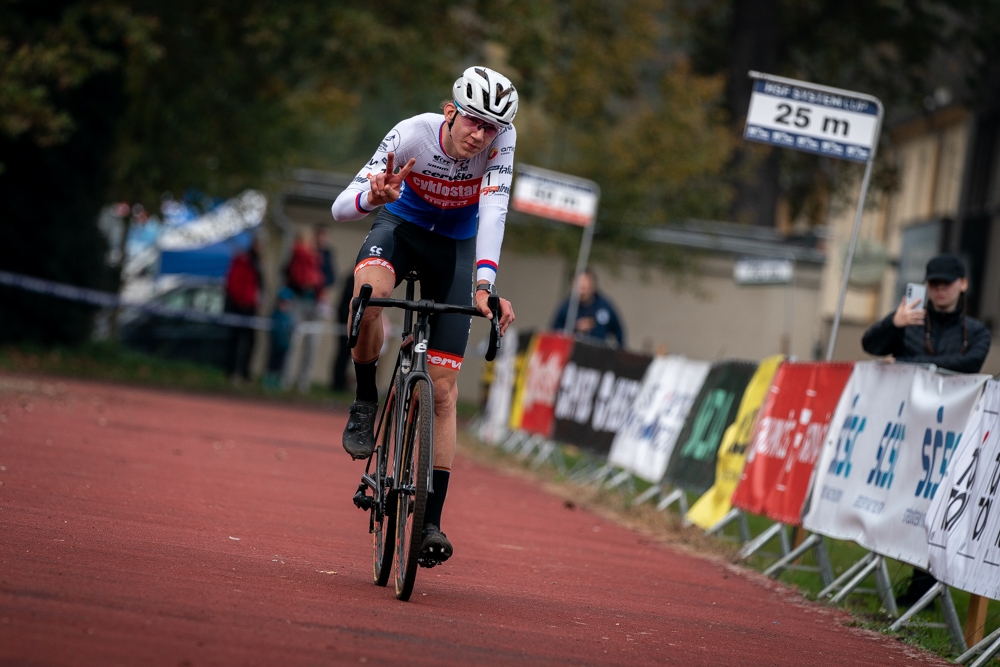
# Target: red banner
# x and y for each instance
(546, 360)
(788, 438)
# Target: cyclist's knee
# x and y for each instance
(445, 390)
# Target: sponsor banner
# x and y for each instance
(550, 194)
(535, 396)
(692, 463)
(715, 503)
(525, 340)
(891, 441)
(654, 420)
(597, 388)
(496, 414)
(788, 438)
(963, 521)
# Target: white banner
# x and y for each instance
(646, 439)
(889, 445)
(496, 415)
(963, 523)
(550, 194)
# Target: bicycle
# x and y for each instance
(404, 453)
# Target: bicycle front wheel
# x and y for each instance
(412, 499)
(384, 507)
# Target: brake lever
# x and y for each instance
(358, 306)
(493, 302)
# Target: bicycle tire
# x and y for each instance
(413, 473)
(383, 535)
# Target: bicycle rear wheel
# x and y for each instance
(384, 507)
(412, 500)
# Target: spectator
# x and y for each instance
(596, 316)
(282, 325)
(242, 298)
(941, 335)
(303, 274)
(339, 382)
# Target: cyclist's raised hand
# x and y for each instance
(386, 185)
(506, 310)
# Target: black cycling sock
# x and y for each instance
(367, 388)
(435, 501)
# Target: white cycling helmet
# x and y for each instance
(487, 95)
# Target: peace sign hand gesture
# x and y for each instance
(386, 185)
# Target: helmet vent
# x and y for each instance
(468, 90)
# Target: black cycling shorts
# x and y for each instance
(446, 269)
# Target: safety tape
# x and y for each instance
(110, 300)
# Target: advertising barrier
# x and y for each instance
(692, 463)
(963, 522)
(788, 438)
(496, 414)
(535, 398)
(715, 503)
(597, 388)
(525, 341)
(655, 419)
(894, 434)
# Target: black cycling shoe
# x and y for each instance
(435, 548)
(359, 435)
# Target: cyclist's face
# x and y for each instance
(469, 134)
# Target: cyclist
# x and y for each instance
(443, 215)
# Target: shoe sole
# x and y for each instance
(431, 559)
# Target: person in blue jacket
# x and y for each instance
(596, 317)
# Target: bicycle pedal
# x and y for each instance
(428, 562)
(361, 499)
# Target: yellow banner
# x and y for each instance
(520, 377)
(714, 505)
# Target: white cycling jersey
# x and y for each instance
(442, 194)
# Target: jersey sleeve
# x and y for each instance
(493, 199)
(352, 203)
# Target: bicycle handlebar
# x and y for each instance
(364, 299)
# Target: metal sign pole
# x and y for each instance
(581, 265)
(854, 239)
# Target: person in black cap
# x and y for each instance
(942, 335)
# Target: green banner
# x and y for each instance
(692, 464)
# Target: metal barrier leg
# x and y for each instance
(846, 576)
(951, 618)
(856, 581)
(883, 582)
(514, 441)
(675, 496)
(648, 494)
(529, 446)
(757, 543)
(992, 641)
(823, 561)
(618, 480)
(544, 454)
(987, 655)
(731, 515)
(921, 604)
(782, 564)
(744, 527)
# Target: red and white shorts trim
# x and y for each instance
(445, 359)
(374, 261)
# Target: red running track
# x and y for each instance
(140, 527)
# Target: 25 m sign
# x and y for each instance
(810, 120)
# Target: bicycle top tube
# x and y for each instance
(425, 306)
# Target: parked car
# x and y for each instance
(175, 338)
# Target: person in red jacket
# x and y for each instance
(242, 298)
